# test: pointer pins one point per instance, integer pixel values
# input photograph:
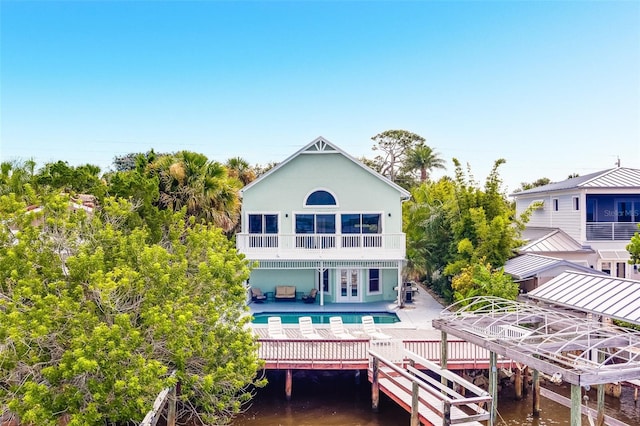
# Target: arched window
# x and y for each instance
(320, 198)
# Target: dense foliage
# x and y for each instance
(93, 317)
(634, 249)
(455, 230)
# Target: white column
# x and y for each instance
(400, 283)
(321, 282)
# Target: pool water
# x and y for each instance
(323, 317)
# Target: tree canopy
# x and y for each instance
(393, 146)
(453, 228)
(93, 317)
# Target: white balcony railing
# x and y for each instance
(611, 231)
(310, 246)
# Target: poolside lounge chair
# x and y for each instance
(369, 327)
(306, 328)
(311, 297)
(257, 295)
(275, 328)
(337, 328)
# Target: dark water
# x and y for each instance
(337, 399)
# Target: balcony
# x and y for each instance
(325, 246)
(611, 231)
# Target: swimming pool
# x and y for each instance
(323, 317)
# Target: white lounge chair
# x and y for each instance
(306, 328)
(337, 328)
(369, 328)
(275, 328)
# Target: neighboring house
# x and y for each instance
(588, 219)
(532, 270)
(321, 219)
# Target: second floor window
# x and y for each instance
(320, 198)
(321, 226)
(315, 224)
(263, 223)
(263, 230)
(366, 223)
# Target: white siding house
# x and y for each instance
(600, 211)
(323, 220)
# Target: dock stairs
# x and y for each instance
(433, 395)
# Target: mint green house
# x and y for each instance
(321, 219)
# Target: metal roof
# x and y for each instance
(620, 177)
(554, 240)
(597, 294)
(530, 265)
(614, 254)
(570, 347)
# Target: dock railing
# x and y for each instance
(427, 398)
(305, 353)
(330, 353)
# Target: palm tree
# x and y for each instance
(425, 159)
(239, 168)
(203, 187)
(16, 175)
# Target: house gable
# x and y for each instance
(320, 146)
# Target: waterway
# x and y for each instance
(338, 399)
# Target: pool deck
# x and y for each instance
(415, 315)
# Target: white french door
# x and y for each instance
(349, 285)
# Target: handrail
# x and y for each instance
(438, 391)
(355, 351)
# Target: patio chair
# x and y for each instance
(369, 328)
(311, 297)
(306, 328)
(337, 328)
(275, 328)
(257, 295)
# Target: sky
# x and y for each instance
(552, 87)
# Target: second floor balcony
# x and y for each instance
(326, 246)
(611, 231)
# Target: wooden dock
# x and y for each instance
(329, 353)
(429, 401)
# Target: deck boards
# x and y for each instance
(427, 415)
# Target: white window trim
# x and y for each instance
(361, 212)
(245, 225)
(372, 293)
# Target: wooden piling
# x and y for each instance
(171, 406)
(444, 354)
(415, 402)
(493, 385)
(375, 385)
(536, 393)
(600, 395)
(288, 383)
(446, 413)
(517, 384)
(576, 405)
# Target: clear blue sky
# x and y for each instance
(551, 86)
